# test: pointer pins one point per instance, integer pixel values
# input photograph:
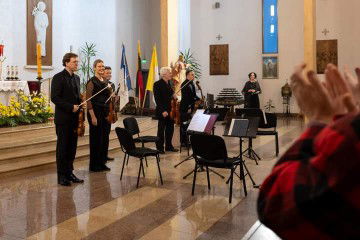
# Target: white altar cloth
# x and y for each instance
(8, 89)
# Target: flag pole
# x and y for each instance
(142, 109)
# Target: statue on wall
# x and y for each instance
(179, 73)
(41, 22)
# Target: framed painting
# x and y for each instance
(270, 67)
(326, 52)
(219, 59)
(39, 30)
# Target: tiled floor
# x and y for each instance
(33, 206)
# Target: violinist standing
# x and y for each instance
(107, 77)
(98, 110)
(65, 94)
(187, 104)
(163, 94)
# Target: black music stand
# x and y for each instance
(242, 128)
(249, 113)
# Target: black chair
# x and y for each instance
(132, 126)
(128, 147)
(220, 111)
(210, 151)
(266, 128)
(269, 128)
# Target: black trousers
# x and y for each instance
(98, 138)
(108, 130)
(66, 147)
(184, 124)
(165, 133)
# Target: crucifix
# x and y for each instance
(219, 37)
(325, 31)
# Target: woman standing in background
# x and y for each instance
(251, 92)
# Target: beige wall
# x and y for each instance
(342, 20)
(240, 24)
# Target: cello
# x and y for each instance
(175, 110)
(201, 102)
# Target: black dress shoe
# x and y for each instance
(75, 179)
(161, 151)
(63, 181)
(96, 170)
(171, 149)
(109, 159)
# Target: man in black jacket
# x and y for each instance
(187, 104)
(163, 94)
(65, 94)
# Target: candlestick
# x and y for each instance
(38, 60)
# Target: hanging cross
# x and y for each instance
(325, 31)
(219, 37)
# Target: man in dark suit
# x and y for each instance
(65, 94)
(187, 104)
(163, 94)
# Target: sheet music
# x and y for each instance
(264, 116)
(231, 126)
(199, 121)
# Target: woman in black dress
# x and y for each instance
(98, 110)
(251, 92)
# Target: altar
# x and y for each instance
(9, 88)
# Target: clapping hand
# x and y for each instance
(354, 85)
(311, 96)
(321, 102)
(339, 90)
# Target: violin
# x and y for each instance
(80, 131)
(112, 116)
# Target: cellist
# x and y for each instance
(65, 94)
(163, 94)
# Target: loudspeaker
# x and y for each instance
(217, 5)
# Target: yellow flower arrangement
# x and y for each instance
(25, 109)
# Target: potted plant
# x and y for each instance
(269, 107)
(194, 64)
(86, 53)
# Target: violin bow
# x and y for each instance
(108, 86)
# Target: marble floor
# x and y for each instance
(33, 206)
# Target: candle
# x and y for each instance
(38, 59)
(1, 49)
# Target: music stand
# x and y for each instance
(201, 123)
(242, 128)
(248, 113)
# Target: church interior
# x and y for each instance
(222, 41)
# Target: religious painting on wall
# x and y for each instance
(39, 30)
(326, 52)
(270, 67)
(219, 59)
